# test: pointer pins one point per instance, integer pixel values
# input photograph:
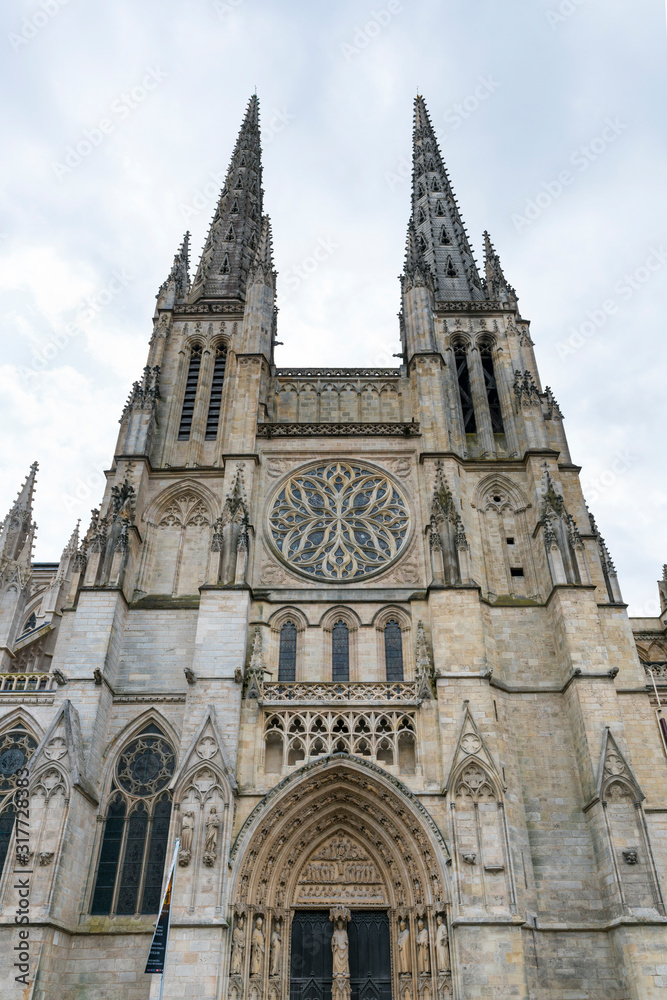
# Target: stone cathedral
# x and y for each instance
(353, 636)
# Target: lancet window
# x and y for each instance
(215, 401)
(340, 652)
(393, 651)
(491, 387)
(287, 653)
(191, 384)
(293, 738)
(465, 393)
(136, 830)
(16, 748)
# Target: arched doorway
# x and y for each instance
(339, 846)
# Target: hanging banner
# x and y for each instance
(158, 952)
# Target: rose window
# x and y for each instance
(339, 521)
(146, 765)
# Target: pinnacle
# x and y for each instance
(230, 248)
(497, 286)
(440, 235)
(24, 499)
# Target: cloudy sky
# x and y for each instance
(550, 115)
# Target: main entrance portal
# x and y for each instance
(311, 964)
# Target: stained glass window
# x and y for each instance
(287, 655)
(134, 844)
(393, 651)
(16, 748)
(6, 827)
(340, 652)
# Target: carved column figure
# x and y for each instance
(442, 945)
(340, 947)
(423, 957)
(211, 842)
(238, 946)
(404, 956)
(257, 948)
(276, 949)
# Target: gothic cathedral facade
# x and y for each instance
(354, 637)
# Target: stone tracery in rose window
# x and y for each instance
(339, 521)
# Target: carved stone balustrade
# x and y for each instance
(312, 692)
(27, 682)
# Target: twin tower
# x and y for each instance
(354, 637)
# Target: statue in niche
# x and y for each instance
(211, 842)
(442, 945)
(276, 948)
(238, 947)
(423, 958)
(257, 948)
(187, 830)
(404, 957)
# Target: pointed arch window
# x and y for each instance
(451, 270)
(225, 269)
(191, 384)
(136, 830)
(215, 401)
(16, 748)
(393, 651)
(287, 654)
(340, 652)
(465, 394)
(440, 209)
(444, 237)
(491, 387)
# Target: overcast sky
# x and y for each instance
(551, 120)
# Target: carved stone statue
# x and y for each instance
(423, 957)
(238, 947)
(257, 948)
(187, 829)
(212, 827)
(404, 957)
(340, 949)
(340, 987)
(442, 945)
(276, 949)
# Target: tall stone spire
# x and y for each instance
(498, 289)
(232, 238)
(439, 232)
(18, 527)
(177, 286)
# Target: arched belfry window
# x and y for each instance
(393, 651)
(287, 653)
(215, 401)
(191, 384)
(16, 748)
(465, 393)
(136, 831)
(491, 387)
(340, 652)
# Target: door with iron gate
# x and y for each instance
(369, 955)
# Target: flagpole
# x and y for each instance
(158, 953)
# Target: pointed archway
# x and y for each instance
(341, 833)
